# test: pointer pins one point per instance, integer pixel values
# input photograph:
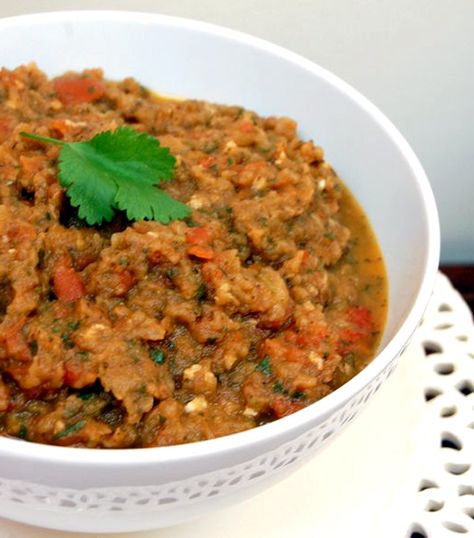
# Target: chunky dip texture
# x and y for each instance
(268, 296)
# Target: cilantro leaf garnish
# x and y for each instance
(117, 170)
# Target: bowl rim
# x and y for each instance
(207, 448)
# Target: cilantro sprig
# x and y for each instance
(117, 170)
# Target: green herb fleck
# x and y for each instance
(117, 170)
(298, 395)
(73, 428)
(278, 387)
(189, 222)
(201, 292)
(172, 272)
(157, 356)
(123, 261)
(86, 396)
(22, 432)
(211, 340)
(86, 393)
(74, 325)
(329, 235)
(265, 367)
(34, 347)
(67, 340)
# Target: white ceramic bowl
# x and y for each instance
(124, 490)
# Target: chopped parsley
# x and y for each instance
(33, 347)
(172, 272)
(298, 395)
(74, 325)
(265, 367)
(22, 432)
(67, 340)
(329, 236)
(157, 356)
(86, 396)
(73, 428)
(278, 387)
(201, 292)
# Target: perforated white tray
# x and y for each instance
(404, 468)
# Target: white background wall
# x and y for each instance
(412, 58)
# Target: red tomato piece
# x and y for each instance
(207, 162)
(282, 407)
(15, 342)
(68, 285)
(155, 257)
(361, 317)
(73, 90)
(277, 347)
(6, 129)
(201, 251)
(246, 126)
(72, 372)
(198, 235)
(127, 280)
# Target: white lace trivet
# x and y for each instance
(444, 504)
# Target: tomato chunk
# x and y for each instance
(198, 235)
(361, 317)
(202, 252)
(68, 285)
(207, 162)
(6, 128)
(282, 407)
(15, 342)
(73, 90)
(246, 126)
(126, 281)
